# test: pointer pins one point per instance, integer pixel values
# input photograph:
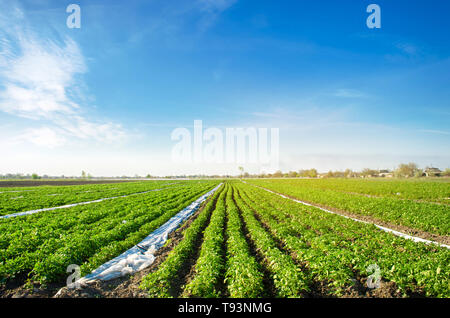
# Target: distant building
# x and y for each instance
(432, 172)
(385, 174)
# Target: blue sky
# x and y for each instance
(105, 98)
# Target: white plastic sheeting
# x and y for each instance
(141, 255)
(16, 191)
(75, 204)
(400, 234)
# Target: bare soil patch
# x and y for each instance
(19, 288)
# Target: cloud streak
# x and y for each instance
(41, 80)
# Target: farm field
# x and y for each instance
(15, 199)
(427, 190)
(243, 242)
(260, 245)
(39, 247)
(416, 205)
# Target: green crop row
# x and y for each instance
(321, 266)
(429, 217)
(44, 244)
(288, 279)
(336, 250)
(210, 264)
(423, 190)
(243, 276)
(159, 282)
(47, 197)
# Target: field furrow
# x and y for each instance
(243, 242)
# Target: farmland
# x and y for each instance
(243, 242)
(41, 246)
(417, 205)
(29, 198)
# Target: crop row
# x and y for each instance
(159, 283)
(288, 279)
(44, 244)
(12, 202)
(243, 277)
(253, 233)
(224, 260)
(210, 264)
(225, 266)
(430, 217)
(423, 190)
(336, 251)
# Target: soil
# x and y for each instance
(19, 288)
(386, 289)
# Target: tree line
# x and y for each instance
(404, 170)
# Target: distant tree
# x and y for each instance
(292, 174)
(312, 173)
(34, 176)
(83, 174)
(241, 169)
(446, 172)
(366, 172)
(278, 174)
(418, 173)
(302, 173)
(348, 173)
(339, 174)
(406, 170)
(149, 176)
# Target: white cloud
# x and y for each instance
(81, 128)
(37, 80)
(43, 137)
(41, 80)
